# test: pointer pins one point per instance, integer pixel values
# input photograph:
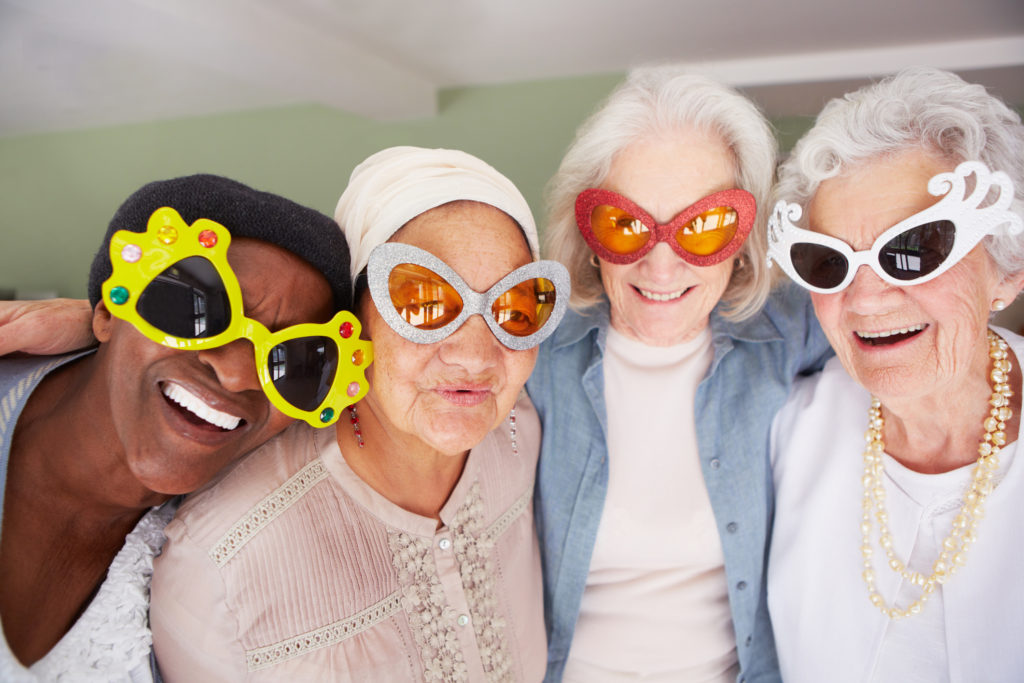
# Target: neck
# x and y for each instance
(399, 466)
(66, 445)
(941, 432)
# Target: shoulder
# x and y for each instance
(238, 492)
(27, 371)
(818, 409)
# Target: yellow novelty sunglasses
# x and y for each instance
(173, 283)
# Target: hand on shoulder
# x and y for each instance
(46, 326)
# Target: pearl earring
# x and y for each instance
(998, 305)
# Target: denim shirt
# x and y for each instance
(753, 367)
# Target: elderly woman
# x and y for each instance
(400, 546)
(657, 392)
(895, 560)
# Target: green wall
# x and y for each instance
(58, 190)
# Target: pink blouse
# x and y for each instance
(290, 567)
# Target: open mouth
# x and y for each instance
(888, 337)
(662, 296)
(196, 411)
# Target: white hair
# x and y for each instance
(917, 108)
(654, 100)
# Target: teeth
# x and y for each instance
(655, 296)
(198, 407)
(889, 333)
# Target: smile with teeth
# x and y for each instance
(658, 296)
(889, 336)
(199, 408)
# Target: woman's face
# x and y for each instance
(932, 334)
(661, 300)
(450, 394)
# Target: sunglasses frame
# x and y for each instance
(385, 257)
(741, 201)
(137, 258)
(971, 222)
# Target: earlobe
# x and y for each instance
(101, 323)
(1009, 289)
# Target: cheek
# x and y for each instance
(518, 366)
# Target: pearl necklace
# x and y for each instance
(954, 547)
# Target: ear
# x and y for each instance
(102, 323)
(1009, 288)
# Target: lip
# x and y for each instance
(652, 296)
(206, 434)
(465, 395)
(885, 339)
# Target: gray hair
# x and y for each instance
(919, 107)
(653, 100)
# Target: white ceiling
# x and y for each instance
(72, 64)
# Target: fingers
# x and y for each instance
(46, 326)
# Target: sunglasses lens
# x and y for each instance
(187, 300)
(618, 231)
(818, 265)
(525, 308)
(423, 298)
(709, 232)
(918, 251)
(303, 370)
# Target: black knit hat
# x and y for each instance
(245, 212)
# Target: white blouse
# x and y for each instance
(825, 626)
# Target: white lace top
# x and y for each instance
(111, 641)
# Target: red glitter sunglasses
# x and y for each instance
(703, 234)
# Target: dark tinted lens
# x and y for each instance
(918, 251)
(818, 265)
(303, 370)
(187, 300)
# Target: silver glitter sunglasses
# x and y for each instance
(424, 300)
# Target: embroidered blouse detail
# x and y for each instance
(263, 657)
(474, 549)
(431, 618)
(266, 511)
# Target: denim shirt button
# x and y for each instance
(731, 527)
(715, 463)
(742, 585)
(750, 639)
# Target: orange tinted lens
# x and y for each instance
(617, 230)
(525, 308)
(422, 297)
(709, 232)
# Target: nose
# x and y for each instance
(472, 347)
(233, 364)
(660, 264)
(868, 293)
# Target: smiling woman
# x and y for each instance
(94, 445)
(914, 237)
(401, 545)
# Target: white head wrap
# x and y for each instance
(397, 184)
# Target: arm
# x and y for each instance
(45, 327)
